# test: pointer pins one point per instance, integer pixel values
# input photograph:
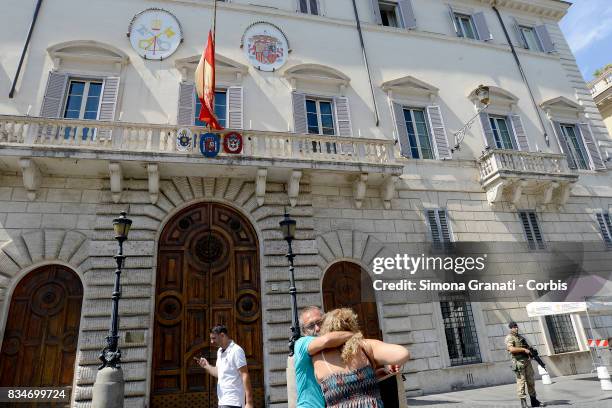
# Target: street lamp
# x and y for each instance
(111, 355)
(483, 94)
(287, 226)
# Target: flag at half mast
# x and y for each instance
(205, 84)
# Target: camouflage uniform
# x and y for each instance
(521, 365)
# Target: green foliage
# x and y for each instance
(600, 71)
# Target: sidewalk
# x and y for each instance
(581, 391)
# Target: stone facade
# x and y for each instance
(58, 206)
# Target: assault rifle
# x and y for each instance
(533, 353)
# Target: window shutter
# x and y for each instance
(302, 6)
(484, 34)
(591, 144)
(343, 116)
(444, 229)
(488, 131)
(532, 229)
(235, 98)
(544, 37)
(407, 13)
(438, 225)
(436, 236)
(108, 101)
(376, 9)
(606, 228)
(454, 20)
(300, 125)
(519, 133)
(564, 147)
(402, 131)
(519, 35)
(54, 95)
(186, 104)
(439, 132)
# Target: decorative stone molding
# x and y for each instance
(562, 107)
(293, 187)
(226, 69)
(153, 171)
(316, 74)
(499, 99)
(88, 51)
(260, 186)
(388, 190)
(411, 86)
(31, 177)
(116, 180)
(347, 244)
(516, 191)
(359, 189)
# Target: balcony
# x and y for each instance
(119, 148)
(506, 175)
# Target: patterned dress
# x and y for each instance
(352, 389)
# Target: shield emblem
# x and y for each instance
(232, 143)
(210, 144)
(184, 140)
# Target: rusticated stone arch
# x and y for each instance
(349, 245)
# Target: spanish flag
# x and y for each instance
(205, 84)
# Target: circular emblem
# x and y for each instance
(184, 139)
(210, 144)
(265, 46)
(232, 143)
(155, 33)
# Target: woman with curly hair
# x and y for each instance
(347, 375)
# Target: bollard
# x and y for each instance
(545, 376)
(604, 378)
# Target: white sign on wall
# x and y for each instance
(265, 46)
(155, 34)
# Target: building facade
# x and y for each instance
(601, 91)
(367, 159)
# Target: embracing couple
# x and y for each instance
(335, 366)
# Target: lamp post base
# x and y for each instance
(291, 385)
(108, 389)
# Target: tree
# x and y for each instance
(600, 71)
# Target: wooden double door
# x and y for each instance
(42, 330)
(207, 274)
(345, 284)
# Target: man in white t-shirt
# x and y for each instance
(233, 383)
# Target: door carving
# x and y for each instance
(207, 274)
(42, 330)
(342, 287)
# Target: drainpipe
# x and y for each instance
(25, 48)
(520, 68)
(365, 60)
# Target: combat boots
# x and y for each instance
(535, 402)
(524, 403)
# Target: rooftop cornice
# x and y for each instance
(553, 9)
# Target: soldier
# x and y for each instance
(521, 364)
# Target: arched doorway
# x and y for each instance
(42, 329)
(207, 274)
(342, 287)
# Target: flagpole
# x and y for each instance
(214, 25)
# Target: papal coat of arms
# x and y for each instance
(265, 46)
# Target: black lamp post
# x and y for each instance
(111, 355)
(288, 229)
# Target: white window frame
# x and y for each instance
(88, 82)
(411, 109)
(458, 16)
(511, 134)
(578, 134)
(398, 18)
(522, 27)
(195, 104)
(309, 8)
(318, 100)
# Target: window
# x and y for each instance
(220, 109)
(532, 230)
(605, 225)
(418, 133)
(309, 7)
(561, 333)
(530, 38)
(82, 102)
(319, 116)
(459, 328)
(438, 225)
(465, 26)
(501, 132)
(389, 14)
(575, 146)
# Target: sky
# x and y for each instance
(588, 30)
